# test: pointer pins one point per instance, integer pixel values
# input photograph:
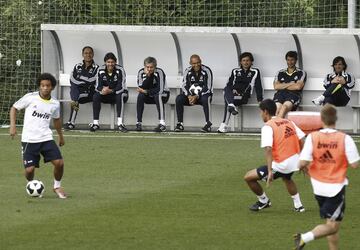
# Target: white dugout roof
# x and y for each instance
(219, 48)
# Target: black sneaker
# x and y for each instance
(207, 127)
(299, 243)
(94, 127)
(122, 128)
(138, 127)
(233, 110)
(160, 128)
(69, 126)
(179, 127)
(259, 205)
(300, 209)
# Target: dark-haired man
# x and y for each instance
(239, 88)
(110, 88)
(338, 85)
(281, 140)
(289, 84)
(37, 137)
(82, 84)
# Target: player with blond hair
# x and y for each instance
(325, 158)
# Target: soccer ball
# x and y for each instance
(35, 188)
(195, 89)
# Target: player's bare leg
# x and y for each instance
(278, 108)
(290, 186)
(58, 169)
(292, 189)
(329, 230)
(251, 178)
(285, 108)
(58, 174)
(29, 173)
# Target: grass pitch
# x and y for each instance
(157, 191)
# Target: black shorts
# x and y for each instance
(263, 174)
(332, 208)
(283, 96)
(31, 152)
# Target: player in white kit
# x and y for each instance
(37, 137)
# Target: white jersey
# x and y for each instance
(38, 114)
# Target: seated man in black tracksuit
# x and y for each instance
(337, 84)
(110, 88)
(239, 88)
(152, 89)
(200, 76)
(82, 84)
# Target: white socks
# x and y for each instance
(96, 122)
(263, 198)
(307, 237)
(119, 121)
(57, 184)
(296, 200)
(162, 122)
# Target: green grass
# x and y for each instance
(148, 191)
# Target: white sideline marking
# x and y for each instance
(195, 136)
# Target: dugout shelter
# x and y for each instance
(219, 48)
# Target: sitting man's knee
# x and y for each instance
(96, 96)
(288, 105)
(141, 96)
(179, 99)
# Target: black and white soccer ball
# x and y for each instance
(195, 89)
(35, 188)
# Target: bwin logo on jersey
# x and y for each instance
(40, 115)
(296, 78)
